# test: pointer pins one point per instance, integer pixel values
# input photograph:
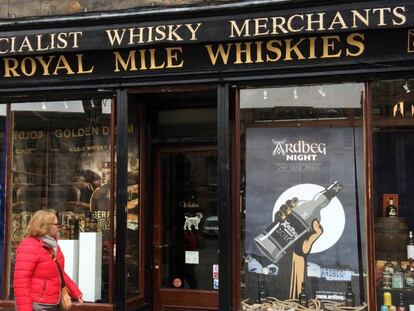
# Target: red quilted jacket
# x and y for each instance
(36, 276)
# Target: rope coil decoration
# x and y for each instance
(274, 304)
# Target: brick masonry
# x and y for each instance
(12, 9)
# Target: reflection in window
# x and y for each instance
(133, 216)
(302, 192)
(61, 159)
(190, 232)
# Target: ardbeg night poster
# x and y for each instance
(303, 200)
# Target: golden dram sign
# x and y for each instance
(410, 48)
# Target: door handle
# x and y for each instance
(161, 246)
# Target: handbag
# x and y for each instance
(65, 302)
(65, 299)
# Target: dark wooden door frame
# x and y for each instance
(174, 296)
(226, 224)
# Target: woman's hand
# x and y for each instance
(80, 300)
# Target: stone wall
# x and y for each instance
(11, 9)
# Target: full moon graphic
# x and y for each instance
(332, 217)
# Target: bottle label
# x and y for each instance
(397, 280)
(349, 302)
(410, 251)
(303, 302)
(278, 237)
(289, 230)
(409, 281)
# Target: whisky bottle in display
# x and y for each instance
(386, 280)
(389, 266)
(349, 296)
(303, 298)
(398, 111)
(91, 224)
(391, 210)
(100, 201)
(410, 246)
(387, 298)
(64, 232)
(276, 239)
(401, 305)
(409, 274)
(73, 229)
(398, 276)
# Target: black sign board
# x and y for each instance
(356, 34)
(350, 49)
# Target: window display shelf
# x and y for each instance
(90, 269)
(395, 295)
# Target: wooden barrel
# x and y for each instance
(391, 238)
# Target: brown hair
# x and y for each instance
(41, 223)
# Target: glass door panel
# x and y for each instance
(190, 227)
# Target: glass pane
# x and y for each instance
(190, 230)
(133, 216)
(393, 141)
(61, 160)
(302, 193)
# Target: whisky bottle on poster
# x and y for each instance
(349, 296)
(391, 210)
(276, 239)
(303, 298)
(410, 246)
(100, 205)
(261, 295)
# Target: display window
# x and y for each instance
(62, 158)
(3, 165)
(392, 137)
(302, 195)
(134, 258)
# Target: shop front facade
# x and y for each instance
(212, 158)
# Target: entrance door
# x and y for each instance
(185, 244)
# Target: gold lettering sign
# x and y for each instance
(45, 65)
(173, 58)
(287, 49)
(149, 59)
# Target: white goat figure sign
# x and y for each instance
(192, 221)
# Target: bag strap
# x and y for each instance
(62, 280)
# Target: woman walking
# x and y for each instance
(37, 282)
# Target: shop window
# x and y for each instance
(3, 144)
(134, 214)
(61, 160)
(393, 143)
(302, 194)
